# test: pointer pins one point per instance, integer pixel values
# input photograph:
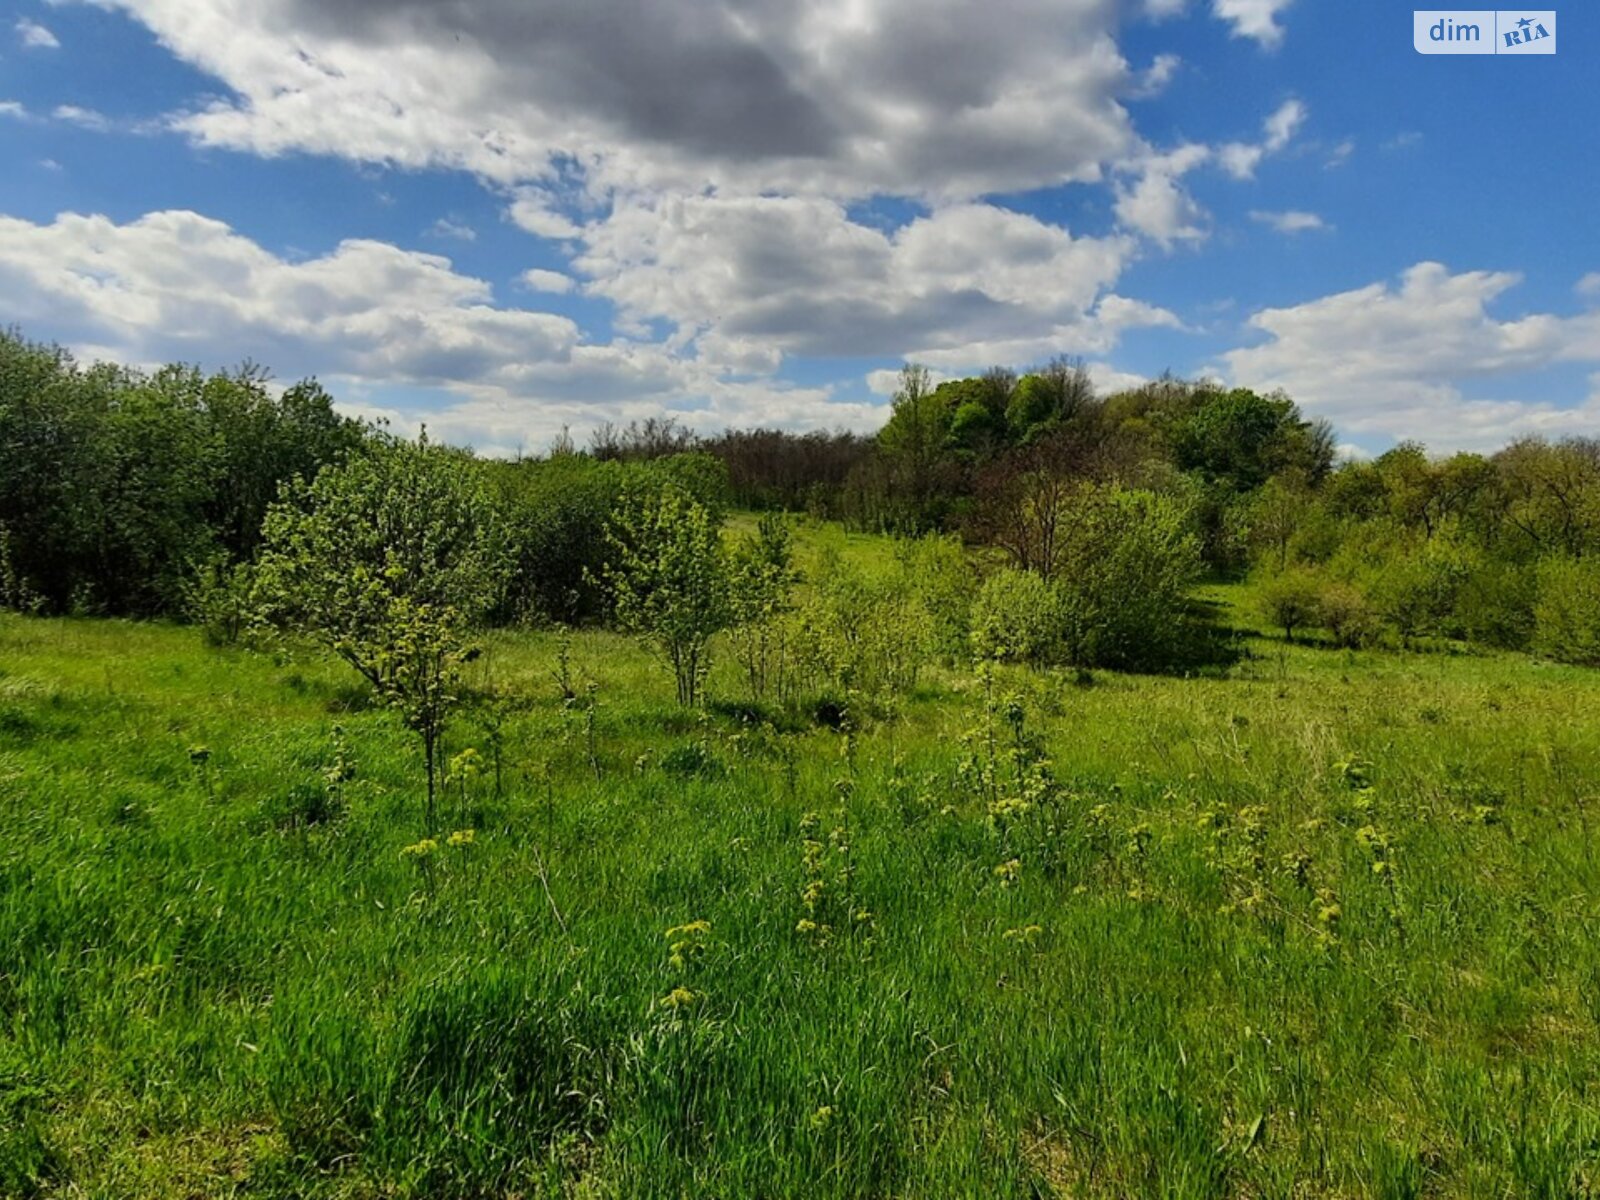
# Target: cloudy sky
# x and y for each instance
(507, 216)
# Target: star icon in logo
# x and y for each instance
(1525, 22)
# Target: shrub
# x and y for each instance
(1291, 600)
(1567, 612)
(1015, 618)
(1127, 564)
(1344, 612)
(857, 632)
(670, 580)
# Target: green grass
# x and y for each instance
(218, 978)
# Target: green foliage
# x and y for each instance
(1036, 909)
(761, 576)
(389, 560)
(1343, 610)
(1127, 562)
(1292, 599)
(1240, 438)
(1015, 618)
(117, 484)
(1567, 612)
(861, 632)
(669, 580)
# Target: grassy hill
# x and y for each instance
(1318, 924)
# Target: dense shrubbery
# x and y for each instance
(145, 494)
(118, 487)
(1116, 593)
(1493, 551)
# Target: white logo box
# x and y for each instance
(1484, 31)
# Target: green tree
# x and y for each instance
(390, 560)
(1292, 600)
(669, 580)
(761, 574)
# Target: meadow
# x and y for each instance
(1320, 922)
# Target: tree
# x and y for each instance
(1277, 512)
(389, 560)
(668, 577)
(914, 443)
(1292, 600)
(760, 576)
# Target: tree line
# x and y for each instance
(151, 494)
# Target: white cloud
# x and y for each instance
(35, 36)
(1589, 286)
(546, 281)
(1387, 361)
(841, 98)
(368, 316)
(1240, 159)
(14, 109)
(1256, 19)
(798, 276)
(1290, 221)
(86, 118)
(448, 227)
(1155, 204)
(1153, 80)
(1151, 199)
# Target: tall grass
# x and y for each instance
(1320, 925)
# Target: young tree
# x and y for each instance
(1291, 600)
(389, 560)
(668, 577)
(760, 576)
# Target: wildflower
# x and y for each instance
(679, 997)
(822, 1118)
(692, 929)
(1007, 872)
(1025, 934)
(463, 837)
(420, 849)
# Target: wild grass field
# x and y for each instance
(1322, 923)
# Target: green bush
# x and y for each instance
(1015, 618)
(1292, 599)
(1343, 611)
(1122, 580)
(1567, 612)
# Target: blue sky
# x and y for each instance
(504, 218)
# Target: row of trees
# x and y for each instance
(142, 493)
(118, 489)
(1501, 550)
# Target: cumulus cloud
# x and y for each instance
(1151, 198)
(1240, 159)
(546, 281)
(449, 227)
(179, 286)
(1256, 19)
(35, 36)
(1392, 361)
(846, 98)
(1289, 221)
(799, 276)
(1153, 80)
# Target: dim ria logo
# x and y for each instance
(1484, 31)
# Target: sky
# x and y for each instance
(506, 217)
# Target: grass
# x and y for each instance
(1319, 925)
